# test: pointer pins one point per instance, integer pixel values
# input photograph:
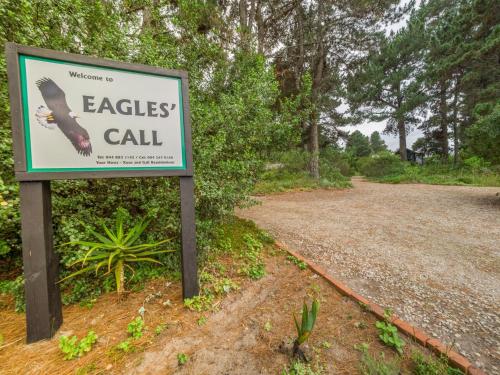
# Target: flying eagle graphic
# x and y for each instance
(58, 114)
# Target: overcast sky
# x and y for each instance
(368, 128)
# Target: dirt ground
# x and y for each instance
(242, 337)
(431, 253)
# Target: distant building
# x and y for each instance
(414, 157)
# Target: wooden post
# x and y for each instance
(188, 255)
(41, 264)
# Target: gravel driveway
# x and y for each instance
(431, 253)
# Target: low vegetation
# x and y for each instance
(72, 348)
(378, 365)
(305, 328)
(388, 168)
(116, 251)
(289, 171)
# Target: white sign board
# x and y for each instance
(81, 117)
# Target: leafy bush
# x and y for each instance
(16, 289)
(381, 164)
(232, 97)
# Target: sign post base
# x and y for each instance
(41, 264)
(188, 255)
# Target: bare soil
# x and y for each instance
(431, 253)
(234, 340)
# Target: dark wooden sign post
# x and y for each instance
(144, 134)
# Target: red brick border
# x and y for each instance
(421, 337)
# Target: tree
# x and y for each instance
(385, 85)
(324, 38)
(426, 145)
(460, 71)
(358, 144)
(377, 144)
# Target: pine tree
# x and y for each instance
(377, 144)
(358, 145)
(385, 85)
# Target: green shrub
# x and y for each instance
(232, 113)
(381, 164)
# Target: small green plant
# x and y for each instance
(364, 306)
(87, 369)
(305, 328)
(388, 334)
(360, 325)
(326, 345)
(302, 265)
(364, 346)
(126, 346)
(73, 349)
(268, 326)
(115, 251)
(255, 271)
(135, 327)
(254, 266)
(88, 303)
(182, 359)
(202, 320)
(371, 365)
(199, 303)
(299, 368)
(426, 365)
(224, 286)
(160, 328)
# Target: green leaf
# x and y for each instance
(110, 234)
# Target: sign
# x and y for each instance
(81, 117)
(75, 116)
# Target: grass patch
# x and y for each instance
(276, 181)
(388, 168)
(458, 176)
(289, 171)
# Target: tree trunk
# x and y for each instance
(261, 30)
(246, 22)
(443, 122)
(319, 63)
(456, 144)
(314, 148)
(402, 140)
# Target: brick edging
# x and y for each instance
(421, 337)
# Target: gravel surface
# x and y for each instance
(430, 253)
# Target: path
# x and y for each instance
(431, 253)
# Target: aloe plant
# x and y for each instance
(305, 328)
(115, 250)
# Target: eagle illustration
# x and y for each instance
(59, 114)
